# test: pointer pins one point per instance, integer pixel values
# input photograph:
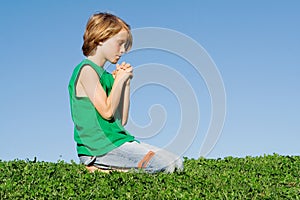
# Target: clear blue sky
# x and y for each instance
(254, 44)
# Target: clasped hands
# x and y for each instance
(123, 70)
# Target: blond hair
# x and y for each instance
(100, 27)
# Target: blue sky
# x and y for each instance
(255, 46)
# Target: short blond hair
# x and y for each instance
(100, 27)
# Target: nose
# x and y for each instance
(122, 49)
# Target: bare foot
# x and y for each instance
(93, 169)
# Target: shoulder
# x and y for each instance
(88, 74)
(87, 70)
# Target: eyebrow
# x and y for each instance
(122, 40)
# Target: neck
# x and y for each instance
(97, 60)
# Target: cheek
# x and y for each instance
(108, 50)
(117, 47)
(113, 48)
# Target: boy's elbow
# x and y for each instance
(107, 115)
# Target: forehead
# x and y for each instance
(122, 35)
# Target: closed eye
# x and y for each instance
(121, 42)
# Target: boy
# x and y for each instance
(100, 104)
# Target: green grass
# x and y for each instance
(266, 177)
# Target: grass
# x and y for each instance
(266, 177)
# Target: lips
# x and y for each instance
(117, 58)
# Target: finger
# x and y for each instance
(129, 69)
(127, 65)
(117, 66)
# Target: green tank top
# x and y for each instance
(93, 134)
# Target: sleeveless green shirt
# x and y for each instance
(93, 134)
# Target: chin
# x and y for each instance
(114, 61)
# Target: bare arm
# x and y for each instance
(105, 105)
(125, 98)
(126, 103)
